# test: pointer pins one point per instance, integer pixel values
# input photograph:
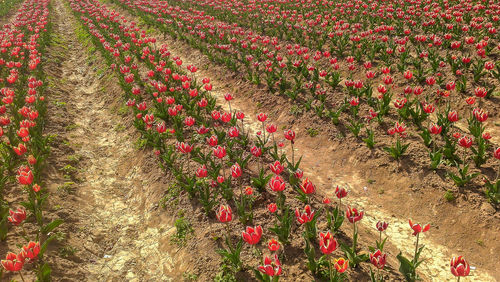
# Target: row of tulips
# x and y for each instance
(425, 100)
(218, 161)
(23, 146)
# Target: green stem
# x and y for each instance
(22, 278)
(416, 249)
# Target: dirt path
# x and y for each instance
(341, 169)
(108, 190)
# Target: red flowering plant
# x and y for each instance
(493, 186)
(354, 215)
(409, 267)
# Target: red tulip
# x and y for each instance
(299, 173)
(236, 170)
(271, 128)
(262, 117)
(327, 244)
(465, 142)
(378, 259)
(480, 92)
(228, 97)
(435, 129)
(17, 217)
(307, 187)
(31, 250)
(459, 266)
(184, 148)
(272, 207)
(20, 149)
(212, 141)
(240, 115)
(256, 151)
(353, 215)
(453, 116)
(273, 245)
(340, 192)
(408, 74)
(252, 235)
(417, 228)
(276, 167)
(354, 101)
(220, 152)
(36, 188)
(189, 121)
(248, 191)
(470, 100)
(306, 216)
(290, 135)
(486, 136)
(382, 226)
(496, 153)
(202, 172)
(480, 114)
(224, 213)
(326, 201)
(13, 262)
(271, 268)
(24, 175)
(233, 132)
(341, 265)
(277, 184)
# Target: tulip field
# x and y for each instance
(216, 140)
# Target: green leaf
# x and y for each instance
(51, 226)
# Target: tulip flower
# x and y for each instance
(327, 244)
(262, 117)
(353, 215)
(271, 268)
(465, 142)
(236, 170)
(256, 151)
(381, 226)
(496, 153)
(31, 250)
(224, 213)
(435, 129)
(252, 235)
(277, 183)
(13, 262)
(340, 193)
(290, 135)
(272, 207)
(307, 187)
(273, 245)
(378, 259)
(341, 265)
(417, 228)
(453, 116)
(276, 167)
(220, 152)
(202, 172)
(24, 175)
(459, 267)
(306, 216)
(17, 217)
